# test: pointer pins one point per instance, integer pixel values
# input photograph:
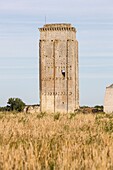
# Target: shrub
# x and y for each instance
(56, 116)
(15, 104)
(41, 115)
(99, 108)
(5, 108)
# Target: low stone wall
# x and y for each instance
(32, 109)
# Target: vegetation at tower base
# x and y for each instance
(30, 141)
(14, 104)
(95, 109)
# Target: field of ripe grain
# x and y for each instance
(56, 142)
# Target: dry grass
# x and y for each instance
(56, 142)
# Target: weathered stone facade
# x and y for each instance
(108, 101)
(32, 109)
(59, 81)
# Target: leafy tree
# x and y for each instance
(15, 104)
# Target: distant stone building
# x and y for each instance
(32, 109)
(59, 80)
(108, 101)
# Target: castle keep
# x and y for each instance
(108, 100)
(59, 81)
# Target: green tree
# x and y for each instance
(15, 104)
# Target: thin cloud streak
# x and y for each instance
(11, 77)
(96, 76)
(97, 66)
(87, 8)
(18, 67)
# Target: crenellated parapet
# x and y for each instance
(57, 27)
(57, 32)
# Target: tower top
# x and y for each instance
(57, 27)
(111, 86)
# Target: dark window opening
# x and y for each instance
(63, 72)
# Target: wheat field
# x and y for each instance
(56, 142)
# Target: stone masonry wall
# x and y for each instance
(32, 109)
(59, 84)
(108, 101)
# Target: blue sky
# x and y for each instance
(19, 36)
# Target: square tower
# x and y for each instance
(59, 81)
(108, 100)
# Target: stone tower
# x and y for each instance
(108, 100)
(59, 81)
